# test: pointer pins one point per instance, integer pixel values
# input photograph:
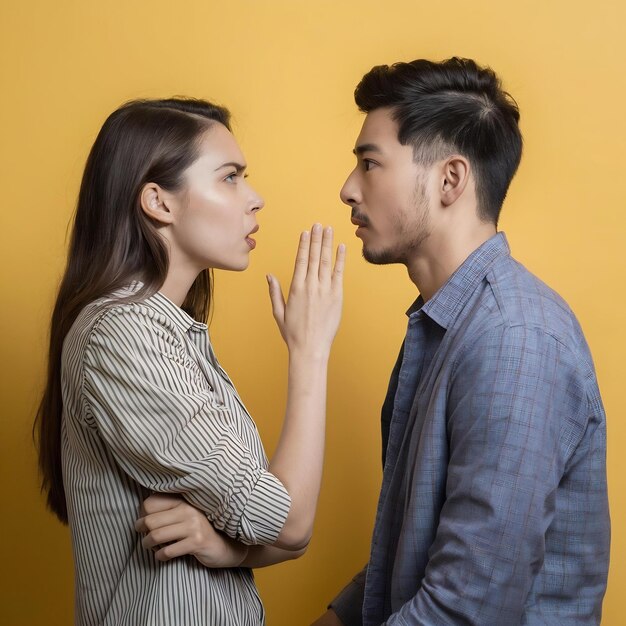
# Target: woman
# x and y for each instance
(136, 402)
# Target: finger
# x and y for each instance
(302, 259)
(175, 532)
(326, 256)
(173, 550)
(160, 502)
(277, 298)
(158, 520)
(340, 262)
(314, 252)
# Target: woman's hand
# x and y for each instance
(308, 322)
(173, 528)
(309, 319)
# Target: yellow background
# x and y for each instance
(287, 70)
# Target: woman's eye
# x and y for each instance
(232, 178)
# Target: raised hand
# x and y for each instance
(309, 319)
(308, 322)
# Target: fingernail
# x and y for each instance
(268, 278)
(317, 228)
(329, 229)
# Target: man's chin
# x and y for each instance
(379, 257)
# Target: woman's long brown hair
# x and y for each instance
(113, 242)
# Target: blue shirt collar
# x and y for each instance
(446, 304)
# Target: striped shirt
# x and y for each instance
(147, 408)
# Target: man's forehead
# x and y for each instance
(379, 130)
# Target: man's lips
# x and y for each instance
(358, 222)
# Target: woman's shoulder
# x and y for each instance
(115, 319)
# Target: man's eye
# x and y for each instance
(367, 164)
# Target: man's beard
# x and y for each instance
(408, 241)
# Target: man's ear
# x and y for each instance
(455, 175)
(154, 204)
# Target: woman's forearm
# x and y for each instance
(308, 321)
(299, 456)
(262, 556)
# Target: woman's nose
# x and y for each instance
(256, 201)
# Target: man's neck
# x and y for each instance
(442, 254)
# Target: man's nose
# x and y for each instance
(349, 193)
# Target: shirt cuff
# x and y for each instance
(266, 511)
(348, 605)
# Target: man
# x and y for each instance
(493, 508)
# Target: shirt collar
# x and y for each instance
(181, 318)
(444, 307)
(165, 306)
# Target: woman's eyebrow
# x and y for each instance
(238, 166)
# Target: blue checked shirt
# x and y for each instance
(493, 509)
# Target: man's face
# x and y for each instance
(387, 193)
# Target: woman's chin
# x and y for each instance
(235, 266)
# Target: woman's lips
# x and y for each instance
(251, 242)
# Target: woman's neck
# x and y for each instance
(178, 283)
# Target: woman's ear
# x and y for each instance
(454, 179)
(154, 204)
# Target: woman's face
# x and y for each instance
(215, 213)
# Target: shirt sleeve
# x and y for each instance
(165, 427)
(348, 605)
(517, 409)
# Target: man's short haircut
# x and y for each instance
(452, 107)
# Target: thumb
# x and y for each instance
(278, 300)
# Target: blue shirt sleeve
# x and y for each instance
(517, 409)
(348, 605)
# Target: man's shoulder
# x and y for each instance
(522, 299)
(514, 305)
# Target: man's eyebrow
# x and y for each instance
(238, 166)
(366, 147)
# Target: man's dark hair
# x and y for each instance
(454, 106)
